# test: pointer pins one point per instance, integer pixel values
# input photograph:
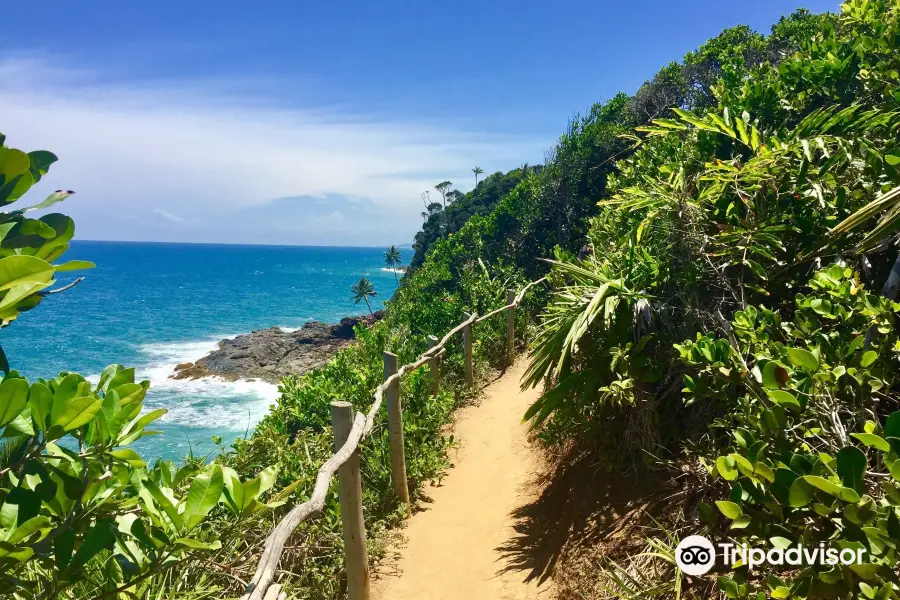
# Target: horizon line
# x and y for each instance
(401, 246)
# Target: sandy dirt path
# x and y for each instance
(453, 549)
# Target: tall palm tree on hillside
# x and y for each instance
(393, 259)
(478, 171)
(363, 290)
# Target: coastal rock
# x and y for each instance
(270, 354)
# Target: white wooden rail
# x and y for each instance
(349, 432)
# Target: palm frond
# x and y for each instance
(889, 222)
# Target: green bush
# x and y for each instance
(81, 513)
(708, 232)
(811, 441)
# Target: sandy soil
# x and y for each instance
(458, 546)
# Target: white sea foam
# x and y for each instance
(215, 403)
(287, 329)
(398, 270)
(209, 402)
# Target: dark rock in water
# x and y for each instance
(270, 354)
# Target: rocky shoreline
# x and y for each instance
(270, 354)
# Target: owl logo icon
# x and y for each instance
(695, 555)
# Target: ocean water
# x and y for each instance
(154, 305)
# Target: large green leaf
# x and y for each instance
(19, 297)
(130, 456)
(21, 269)
(803, 359)
(868, 358)
(77, 412)
(851, 467)
(28, 528)
(233, 491)
(164, 502)
(774, 375)
(198, 545)
(873, 441)
(65, 391)
(206, 489)
(831, 488)
(40, 161)
(74, 265)
(36, 227)
(729, 509)
(13, 398)
(726, 467)
(21, 425)
(892, 425)
(785, 399)
(13, 163)
(136, 426)
(14, 188)
(100, 537)
(801, 493)
(13, 552)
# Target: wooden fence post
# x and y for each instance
(395, 430)
(434, 367)
(467, 341)
(350, 496)
(510, 328)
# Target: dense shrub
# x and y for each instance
(81, 513)
(809, 435)
(711, 232)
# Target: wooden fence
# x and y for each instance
(349, 431)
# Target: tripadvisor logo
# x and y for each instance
(696, 555)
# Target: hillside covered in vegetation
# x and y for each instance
(716, 246)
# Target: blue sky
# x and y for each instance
(315, 123)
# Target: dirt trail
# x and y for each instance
(453, 549)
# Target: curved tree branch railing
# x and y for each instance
(261, 586)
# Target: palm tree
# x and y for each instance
(393, 259)
(363, 291)
(478, 171)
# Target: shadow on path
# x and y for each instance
(579, 506)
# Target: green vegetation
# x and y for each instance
(711, 306)
(480, 201)
(81, 514)
(701, 328)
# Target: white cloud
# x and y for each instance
(169, 216)
(193, 149)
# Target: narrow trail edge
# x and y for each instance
(453, 547)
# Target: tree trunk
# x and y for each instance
(370, 307)
(446, 216)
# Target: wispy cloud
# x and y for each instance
(169, 216)
(192, 152)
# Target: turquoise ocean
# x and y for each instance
(154, 305)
